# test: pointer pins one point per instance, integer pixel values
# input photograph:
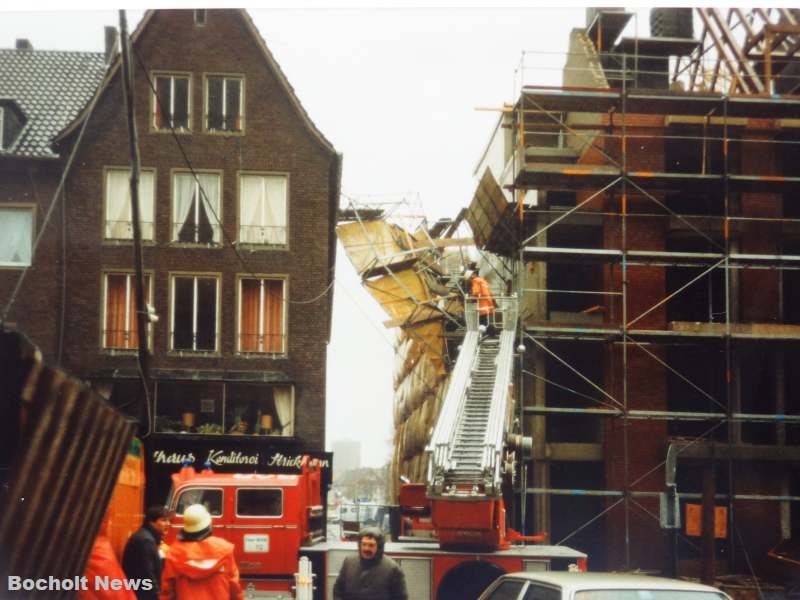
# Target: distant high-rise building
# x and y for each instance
(346, 456)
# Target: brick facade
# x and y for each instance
(277, 137)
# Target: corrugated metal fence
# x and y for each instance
(63, 447)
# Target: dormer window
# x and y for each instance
(171, 102)
(11, 123)
(200, 17)
(224, 103)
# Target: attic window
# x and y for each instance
(200, 17)
(171, 102)
(11, 123)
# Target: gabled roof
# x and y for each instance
(268, 57)
(51, 88)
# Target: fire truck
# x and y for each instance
(449, 535)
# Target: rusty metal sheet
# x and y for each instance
(66, 448)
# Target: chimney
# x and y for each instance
(111, 41)
(23, 44)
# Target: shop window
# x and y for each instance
(224, 103)
(16, 236)
(257, 409)
(261, 315)
(210, 498)
(194, 313)
(259, 502)
(119, 314)
(171, 102)
(263, 209)
(189, 407)
(118, 219)
(196, 208)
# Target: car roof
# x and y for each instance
(573, 582)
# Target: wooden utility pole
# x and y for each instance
(142, 314)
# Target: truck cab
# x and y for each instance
(267, 518)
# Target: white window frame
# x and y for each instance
(129, 290)
(147, 236)
(243, 236)
(284, 313)
(20, 208)
(217, 312)
(171, 125)
(214, 216)
(225, 78)
(200, 22)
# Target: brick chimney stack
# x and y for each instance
(23, 44)
(111, 41)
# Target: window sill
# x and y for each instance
(125, 242)
(196, 245)
(13, 266)
(262, 355)
(194, 353)
(250, 247)
(120, 351)
(224, 132)
(180, 131)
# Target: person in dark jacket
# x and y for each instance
(141, 558)
(370, 575)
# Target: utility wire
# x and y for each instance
(207, 204)
(57, 194)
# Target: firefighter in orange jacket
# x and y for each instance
(200, 566)
(479, 289)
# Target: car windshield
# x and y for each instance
(646, 595)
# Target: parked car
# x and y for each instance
(553, 585)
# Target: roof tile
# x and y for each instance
(51, 88)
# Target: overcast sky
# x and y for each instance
(403, 94)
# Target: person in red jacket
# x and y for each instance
(479, 289)
(103, 572)
(198, 565)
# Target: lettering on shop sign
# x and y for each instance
(281, 460)
(220, 457)
(172, 458)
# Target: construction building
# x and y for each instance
(643, 213)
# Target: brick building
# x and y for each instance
(657, 281)
(238, 193)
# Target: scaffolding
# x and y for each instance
(656, 239)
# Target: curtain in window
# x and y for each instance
(209, 182)
(182, 202)
(283, 406)
(118, 205)
(16, 236)
(273, 315)
(275, 207)
(116, 307)
(121, 318)
(248, 325)
(263, 209)
(205, 228)
(261, 321)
